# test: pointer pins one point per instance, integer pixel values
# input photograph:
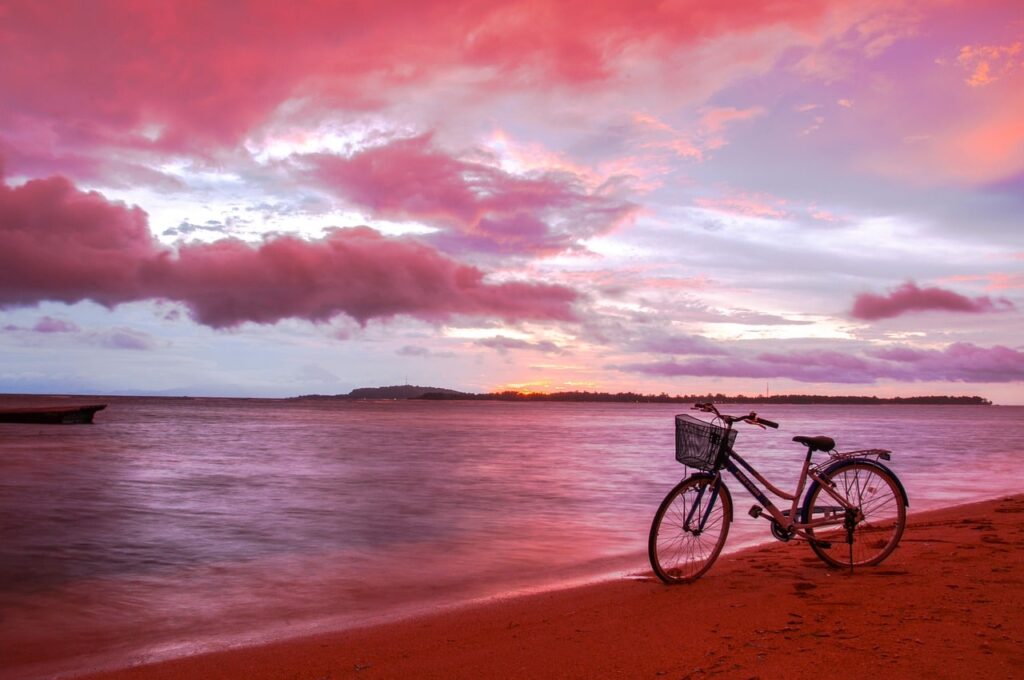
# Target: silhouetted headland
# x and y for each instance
(444, 394)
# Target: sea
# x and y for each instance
(173, 526)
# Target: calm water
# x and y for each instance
(172, 526)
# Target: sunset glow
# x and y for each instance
(274, 199)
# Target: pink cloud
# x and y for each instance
(479, 206)
(357, 272)
(708, 133)
(164, 75)
(756, 205)
(577, 41)
(994, 281)
(714, 122)
(59, 243)
(988, 63)
(910, 298)
(1001, 281)
(762, 205)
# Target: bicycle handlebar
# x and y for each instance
(751, 417)
(767, 423)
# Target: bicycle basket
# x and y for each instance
(699, 444)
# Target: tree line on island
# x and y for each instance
(444, 394)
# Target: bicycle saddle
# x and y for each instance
(817, 443)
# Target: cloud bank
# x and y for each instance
(236, 65)
(59, 243)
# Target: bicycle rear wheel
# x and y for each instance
(689, 530)
(867, 538)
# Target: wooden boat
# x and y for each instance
(57, 415)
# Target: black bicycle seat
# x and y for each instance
(817, 443)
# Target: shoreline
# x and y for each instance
(947, 602)
(591, 398)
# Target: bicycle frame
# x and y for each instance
(786, 519)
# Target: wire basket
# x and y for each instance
(700, 444)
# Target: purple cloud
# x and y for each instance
(910, 298)
(960, 362)
(905, 354)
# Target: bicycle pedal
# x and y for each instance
(755, 511)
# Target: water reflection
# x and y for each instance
(187, 520)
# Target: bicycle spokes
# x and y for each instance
(868, 529)
(689, 530)
(695, 510)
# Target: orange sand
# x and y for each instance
(946, 604)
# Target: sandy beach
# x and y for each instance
(946, 604)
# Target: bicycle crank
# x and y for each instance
(781, 533)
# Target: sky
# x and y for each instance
(276, 199)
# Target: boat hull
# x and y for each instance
(63, 415)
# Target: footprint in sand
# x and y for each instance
(802, 587)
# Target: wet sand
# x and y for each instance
(948, 603)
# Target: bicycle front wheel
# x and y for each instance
(868, 535)
(689, 529)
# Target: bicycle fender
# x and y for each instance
(711, 478)
(839, 464)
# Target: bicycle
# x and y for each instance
(853, 513)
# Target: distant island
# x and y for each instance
(444, 394)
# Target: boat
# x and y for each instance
(56, 415)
